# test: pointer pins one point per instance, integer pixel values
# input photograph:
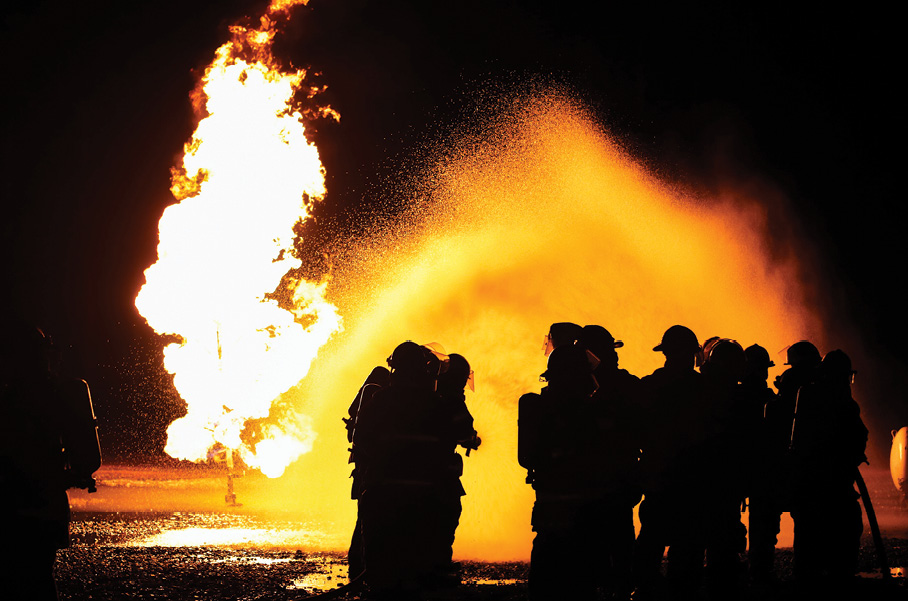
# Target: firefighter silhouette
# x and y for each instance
(616, 449)
(48, 443)
(827, 444)
(765, 501)
(676, 418)
(378, 378)
(557, 440)
(729, 448)
(403, 441)
(775, 485)
(456, 427)
(399, 455)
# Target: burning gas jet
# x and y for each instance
(246, 177)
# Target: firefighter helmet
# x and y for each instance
(561, 334)
(679, 339)
(836, 366)
(598, 339)
(803, 353)
(409, 358)
(457, 376)
(723, 355)
(758, 356)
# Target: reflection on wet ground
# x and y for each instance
(215, 552)
(494, 581)
(221, 556)
(896, 574)
(327, 575)
(184, 529)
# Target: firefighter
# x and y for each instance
(827, 446)
(676, 415)
(378, 378)
(399, 444)
(456, 425)
(764, 502)
(729, 446)
(556, 444)
(802, 361)
(48, 443)
(615, 410)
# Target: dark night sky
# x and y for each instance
(96, 111)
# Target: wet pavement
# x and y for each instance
(226, 557)
(234, 553)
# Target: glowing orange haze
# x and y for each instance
(544, 221)
(548, 222)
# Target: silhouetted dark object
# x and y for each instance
(456, 425)
(757, 360)
(557, 444)
(235, 469)
(596, 338)
(677, 343)
(378, 378)
(803, 353)
(827, 445)
(730, 443)
(764, 501)
(399, 442)
(48, 443)
(772, 497)
(706, 348)
(616, 413)
(677, 424)
(803, 360)
(414, 364)
(561, 334)
(874, 525)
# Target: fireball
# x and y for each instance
(246, 178)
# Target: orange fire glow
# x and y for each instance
(543, 220)
(224, 247)
(547, 220)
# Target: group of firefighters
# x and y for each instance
(405, 425)
(698, 440)
(695, 440)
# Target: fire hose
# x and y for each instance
(874, 525)
(865, 498)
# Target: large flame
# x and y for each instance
(246, 177)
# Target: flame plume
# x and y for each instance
(246, 176)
